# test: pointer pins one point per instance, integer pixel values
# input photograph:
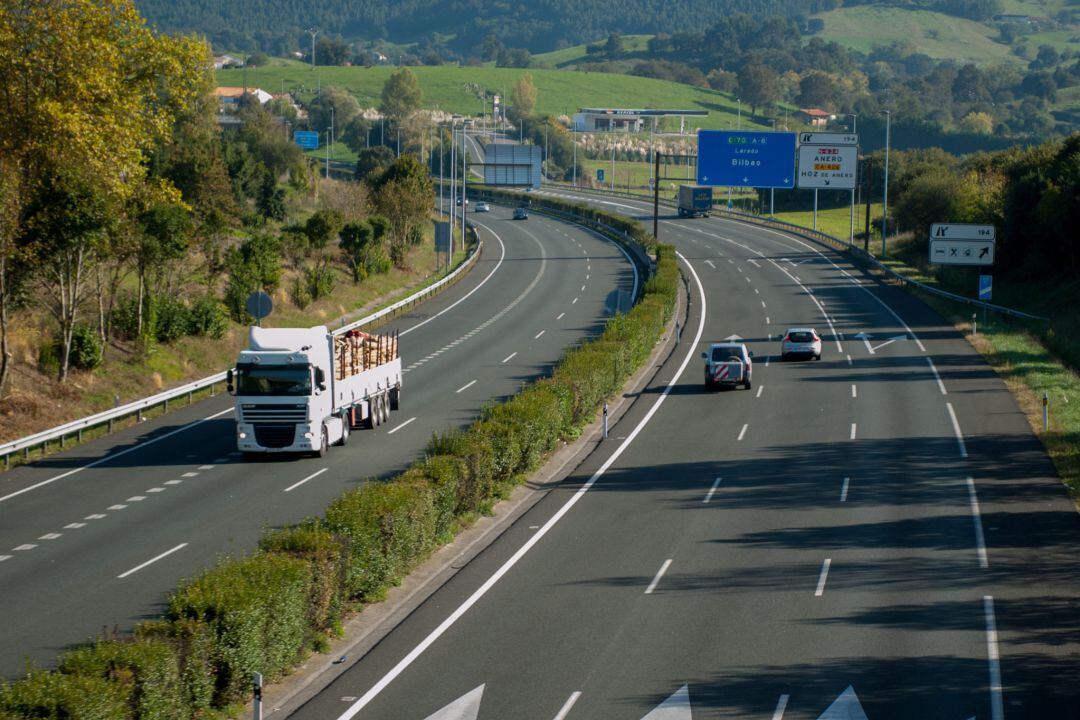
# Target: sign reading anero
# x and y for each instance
(828, 160)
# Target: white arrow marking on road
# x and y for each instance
(733, 338)
(676, 707)
(710, 264)
(890, 341)
(866, 339)
(845, 707)
(466, 707)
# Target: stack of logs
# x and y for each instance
(357, 351)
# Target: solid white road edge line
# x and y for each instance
(941, 385)
(446, 624)
(659, 574)
(997, 705)
(781, 706)
(464, 387)
(708, 495)
(824, 574)
(113, 456)
(980, 539)
(853, 427)
(312, 476)
(151, 561)
(568, 705)
(401, 426)
(956, 429)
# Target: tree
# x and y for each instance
(978, 123)
(818, 90)
(361, 243)
(15, 258)
(513, 58)
(331, 51)
(257, 59)
(614, 48)
(333, 105)
(522, 98)
(372, 161)
(758, 85)
(166, 230)
(404, 196)
(322, 227)
(401, 95)
(356, 133)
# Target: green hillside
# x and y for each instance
(577, 54)
(453, 89)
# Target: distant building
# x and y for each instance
(230, 97)
(223, 62)
(815, 117)
(627, 120)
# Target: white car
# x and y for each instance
(728, 365)
(482, 207)
(801, 341)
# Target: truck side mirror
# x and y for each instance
(320, 378)
(704, 356)
(229, 381)
(750, 353)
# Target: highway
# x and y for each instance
(877, 534)
(94, 538)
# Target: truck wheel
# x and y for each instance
(323, 445)
(384, 403)
(395, 399)
(346, 424)
(374, 413)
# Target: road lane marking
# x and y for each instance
(136, 498)
(190, 474)
(852, 431)
(537, 336)
(509, 357)
(568, 705)
(74, 526)
(753, 262)
(763, 306)
(997, 706)
(708, 495)
(151, 561)
(824, 575)
(309, 477)
(710, 264)
(173, 482)
(561, 315)
(956, 429)
(844, 489)
(464, 387)
(4, 557)
(781, 705)
(756, 291)
(574, 301)
(116, 507)
(980, 539)
(156, 490)
(586, 276)
(759, 389)
(24, 547)
(513, 560)
(659, 574)
(95, 516)
(941, 385)
(849, 360)
(113, 456)
(403, 424)
(743, 431)
(50, 536)
(854, 392)
(206, 467)
(767, 321)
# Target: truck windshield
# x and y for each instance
(273, 379)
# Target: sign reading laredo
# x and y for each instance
(746, 158)
(961, 244)
(827, 166)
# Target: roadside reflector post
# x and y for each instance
(974, 326)
(1046, 412)
(605, 421)
(256, 700)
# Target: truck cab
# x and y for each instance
(728, 365)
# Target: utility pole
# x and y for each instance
(885, 197)
(313, 32)
(573, 136)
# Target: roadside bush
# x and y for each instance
(299, 292)
(257, 611)
(475, 483)
(173, 318)
(192, 643)
(145, 671)
(86, 350)
(327, 555)
(61, 696)
(208, 318)
(319, 280)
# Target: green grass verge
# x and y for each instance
(266, 611)
(834, 221)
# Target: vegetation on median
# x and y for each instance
(265, 612)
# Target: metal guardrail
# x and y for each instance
(835, 242)
(138, 407)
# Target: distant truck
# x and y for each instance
(300, 390)
(728, 365)
(695, 201)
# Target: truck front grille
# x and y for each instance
(274, 413)
(275, 435)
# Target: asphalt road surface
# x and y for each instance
(877, 534)
(94, 539)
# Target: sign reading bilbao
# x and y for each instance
(828, 166)
(746, 158)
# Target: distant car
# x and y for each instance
(801, 341)
(459, 201)
(482, 207)
(521, 214)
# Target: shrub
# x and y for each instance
(319, 280)
(52, 695)
(257, 614)
(299, 292)
(86, 349)
(327, 555)
(208, 317)
(173, 318)
(145, 671)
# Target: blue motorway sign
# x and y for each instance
(746, 158)
(986, 287)
(599, 174)
(307, 139)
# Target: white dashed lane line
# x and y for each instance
(151, 561)
(823, 577)
(561, 316)
(401, 426)
(539, 334)
(465, 387)
(509, 357)
(312, 476)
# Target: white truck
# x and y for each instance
(300, 390)
(728, 364)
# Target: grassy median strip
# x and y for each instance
(266, 611)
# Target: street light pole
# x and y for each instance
(885, 198)
(313, 32)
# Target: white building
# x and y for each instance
(628, 120)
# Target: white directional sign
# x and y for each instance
(827, 166)
(962, 244)
(822, 138)
(962, 231)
